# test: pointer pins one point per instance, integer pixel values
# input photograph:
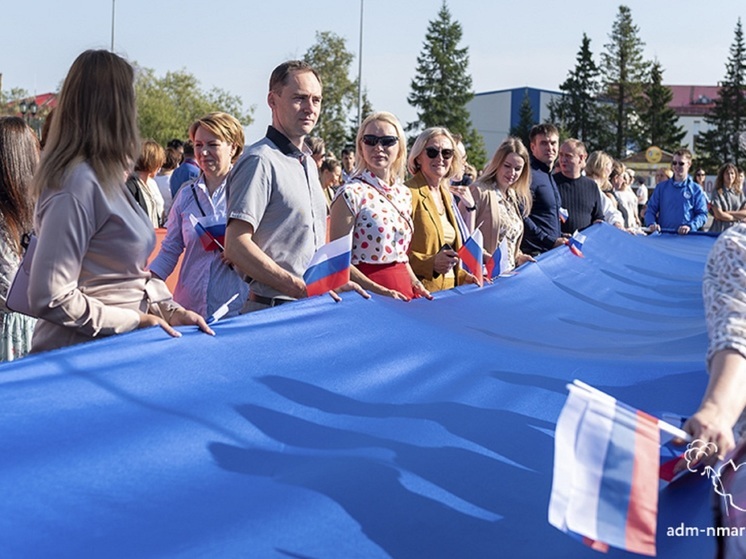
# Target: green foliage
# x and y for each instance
(721, 143)
(578, 113)
(167, 106)
(331, 59)
(10, 101)
(442, 85)
(525, 121)
(624, 74)
(659, 121)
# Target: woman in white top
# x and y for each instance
(88, 276)
(376, 207)
(206, 280)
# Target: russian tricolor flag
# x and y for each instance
(471, 254)
(564, 215)
(605, 483)
(211, 231)
(576, 243)
(329, 268)
(499, 262)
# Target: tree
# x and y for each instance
(577, 113)
(331, 59)
(726, 139)
(525, 120)
(10, 100)
(660, 122)
(624, 74)
(167, 106)
(442, 85)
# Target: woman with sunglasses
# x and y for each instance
(376, 207)
(503, 200)
(728, 200)
(432, 254)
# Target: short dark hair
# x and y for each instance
(279, 77)
(545, 129)
(188, 149)
(175, 143)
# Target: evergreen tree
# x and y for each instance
(577, 113)
(525, 121)
(331, 59)
(624, 74)
(442, 86)
(726, 140)
(659, 121)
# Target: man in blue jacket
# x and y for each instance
(677, 204)
(542, 226)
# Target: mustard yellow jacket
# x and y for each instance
(427, 235)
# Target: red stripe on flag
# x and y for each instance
(643, 500)
(328, 283)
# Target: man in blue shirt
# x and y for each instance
(187, 171)
(677, 204)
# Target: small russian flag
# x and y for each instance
(329, 268)
(499, 262)
(576, 243)
(471, 254)
(563, 215)
(211, 231)
(606, 466)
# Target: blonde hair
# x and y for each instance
(95, 122)
(522, 186)
(457, 161)
(225, 127)
(398, 167)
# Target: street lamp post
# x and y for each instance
(28, 113)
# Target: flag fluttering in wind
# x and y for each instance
(606, 467)
(471, 255)
(329, 268)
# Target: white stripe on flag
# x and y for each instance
(564, 458)
(591, 448)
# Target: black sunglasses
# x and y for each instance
(432, 153)
(678, 163)
(385, 141)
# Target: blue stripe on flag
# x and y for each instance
(327, 268)
(616, 483)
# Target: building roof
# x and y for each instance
(692, 100)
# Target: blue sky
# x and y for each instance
(234, 44)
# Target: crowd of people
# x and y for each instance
(247, 220)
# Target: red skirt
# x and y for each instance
(392, 276)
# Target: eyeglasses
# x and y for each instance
(385, 141)
(678, 163)
(700, 174)
(432, 153)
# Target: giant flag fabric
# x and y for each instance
(366, 428)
